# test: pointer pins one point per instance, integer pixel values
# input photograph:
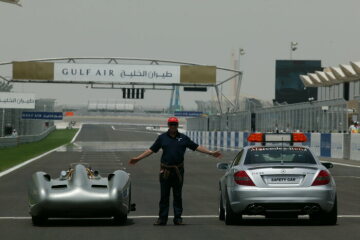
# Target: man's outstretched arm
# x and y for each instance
(145, 154)
(203, 149)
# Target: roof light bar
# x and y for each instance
(277, 137)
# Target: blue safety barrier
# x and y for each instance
(221, 139)
(321, 144)
(325, 143)
(236, 139)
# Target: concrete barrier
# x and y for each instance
(14, 141)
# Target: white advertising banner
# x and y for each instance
(337, 145)
(355, 146)
(316, 143)
(17, 100)
(116, 73)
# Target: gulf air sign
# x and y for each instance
(113, 73)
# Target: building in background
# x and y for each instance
(288, 86)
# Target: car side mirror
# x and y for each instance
(327, 164)
(222, 166)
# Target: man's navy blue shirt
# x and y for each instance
(173, 148)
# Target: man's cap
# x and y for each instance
(173, 120)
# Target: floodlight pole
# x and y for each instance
(238, 85)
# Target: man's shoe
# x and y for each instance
(178, 221)
(160, 222)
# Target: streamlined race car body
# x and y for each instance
(80, 192)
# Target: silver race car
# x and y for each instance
(80, 192)
(278, 181)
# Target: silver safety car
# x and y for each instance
(276, 179)
(80, 192)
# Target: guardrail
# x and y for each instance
(14, 141)
(332, 145)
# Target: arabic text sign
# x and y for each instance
(116, 73)
(42, 115)
(17, 100)
(187, 114)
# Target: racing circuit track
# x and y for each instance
(109, 147)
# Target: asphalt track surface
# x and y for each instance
(109, 147)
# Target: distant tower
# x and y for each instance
(235, 64)
(175, 100)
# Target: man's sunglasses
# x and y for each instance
(173, 124)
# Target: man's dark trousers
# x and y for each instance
(172, 181)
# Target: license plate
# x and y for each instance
(283, 179)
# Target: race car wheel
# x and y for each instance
(120, 219)
(221, 209)
(231, 217)
(38, 220)
(326, 218)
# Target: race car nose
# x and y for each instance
(80, 176)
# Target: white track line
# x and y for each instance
(3, 173)
(28, 161)
(347, 177)
(132, 131)
(74, 138)
(154, 216)
(345, 165)
(15, 218)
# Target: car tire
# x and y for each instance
(221, 209)
(120, 219)
(231, 218)
(326, 218)
(38, 220)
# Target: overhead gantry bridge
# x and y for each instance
(120, 72)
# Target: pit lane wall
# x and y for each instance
(14, 141)
(332, 145)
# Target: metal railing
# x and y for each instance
(322, 116)
(240, 121)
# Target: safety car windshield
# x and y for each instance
(281, 155)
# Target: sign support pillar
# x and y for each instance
(218, 97)
(3, 122)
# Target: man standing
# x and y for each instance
(174, 145)
(354, 128)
